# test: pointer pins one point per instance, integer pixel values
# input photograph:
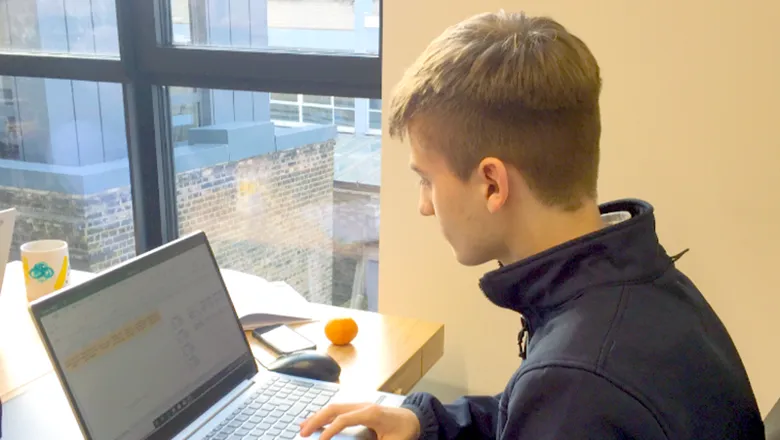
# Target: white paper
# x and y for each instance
(259, 302)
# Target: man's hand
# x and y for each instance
(388, 423)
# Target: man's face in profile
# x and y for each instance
(458, 205)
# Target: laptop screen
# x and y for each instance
(137, 352)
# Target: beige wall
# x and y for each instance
(691, 124)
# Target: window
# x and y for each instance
(72, 26)
(64, 167)
(346, 26)
(375, 115)
(293, 202)
(345, 113)
(185, 112)
(254, 120)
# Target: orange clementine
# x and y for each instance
(341, 331)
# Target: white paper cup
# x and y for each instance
(46, 266)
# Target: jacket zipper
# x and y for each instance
(522, 337)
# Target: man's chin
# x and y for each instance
(471, 260)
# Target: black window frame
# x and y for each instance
(148, 62)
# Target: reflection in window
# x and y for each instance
(65, 167)
(344, 102)
(318, 115)
(72, 26)
(375, 120)
(286, 113)
(326, 100)
(290, 191)
(345, 117)
(350, 115)
(284, 97)
(185, 111)
(375, 115)
(345, 26)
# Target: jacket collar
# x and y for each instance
(618, 253)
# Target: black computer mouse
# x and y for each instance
(308, 363)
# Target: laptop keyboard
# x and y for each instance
(274, 411)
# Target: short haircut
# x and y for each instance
(521, 89)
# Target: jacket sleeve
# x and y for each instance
(468, 417)
(553, 403)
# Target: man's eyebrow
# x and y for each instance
(416, 170)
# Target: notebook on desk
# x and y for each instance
(260, 303)
(153, 349)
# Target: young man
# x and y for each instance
(502, 113)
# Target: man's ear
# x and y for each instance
(494, 182)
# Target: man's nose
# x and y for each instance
(426, 208)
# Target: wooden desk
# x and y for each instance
(389, 354)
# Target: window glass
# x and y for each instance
(336, 26)
(375, 120)
(59, 26)
(64, 167)
(285, 190)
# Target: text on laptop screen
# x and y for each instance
(139, 351)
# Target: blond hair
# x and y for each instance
(522, 89)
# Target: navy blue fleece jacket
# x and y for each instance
(621, 346)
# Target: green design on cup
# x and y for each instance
(41, 272)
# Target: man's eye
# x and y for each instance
(424, 182)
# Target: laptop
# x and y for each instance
(7, 220)
(153, 349)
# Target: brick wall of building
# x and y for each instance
(98, 228)
(109, 233)
(270, 215)
(356, 227)
(45, 214)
